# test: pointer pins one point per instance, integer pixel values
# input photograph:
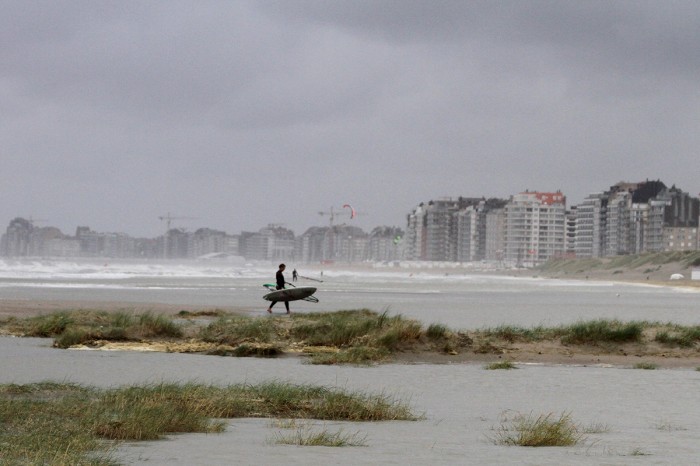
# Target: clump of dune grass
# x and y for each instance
(362, 335)
(308, 436)
(513, 333)
(185, 314)
(637, 451)
(360, 355)
(49, 325)
(595, 428)
(681, 336)
(80, 327)
(235, 330)
(152, 325)
(545, 430)
(263, 351)
(52, 423)
(341, 328)
(602, 331)
(668, 426)
(436, 331)
(646, 366)
(501, 365)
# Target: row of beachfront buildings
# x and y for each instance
(526, 229)
(342, 243)
(529, 228)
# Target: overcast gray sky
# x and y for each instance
(244, 113)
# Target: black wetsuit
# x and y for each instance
(280, 286)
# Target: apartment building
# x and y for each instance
(681, 239)
(570, 240)
(535, 228)
(339, 243)
(590, 226)
(15, 241)
(386, 244)
(441, 230)
(273, 242)
(414, 240)
(471, 229)
(495, 227)
(630, 218)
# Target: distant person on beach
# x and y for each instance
(280, 286)
(294, 275)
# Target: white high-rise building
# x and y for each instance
(535, 228)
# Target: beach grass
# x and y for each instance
(514, 333)
(359, 336)
(56, 423)
(602, 331)
(501, 365)
(236, 330)
(591, 332)
(437, 331)
(680, 336)
(83, 327)
(358, 355)
(308, 436)
(650, 366)
(545, 430)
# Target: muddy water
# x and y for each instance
(649, 417)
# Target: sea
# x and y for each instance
(631, 416)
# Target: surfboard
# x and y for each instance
(291, 294)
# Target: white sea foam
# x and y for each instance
(84, 269)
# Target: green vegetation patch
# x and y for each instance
(360, 355)
(507, 365)
(680, 336)
(83, 327)
(361, 335)
(437, 332)
(546, 430)
(233, 331)
(307, 436)
(342, 337)
(514, 334)
(602, 331)
(51, 423)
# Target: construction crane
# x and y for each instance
(332, 214)
(169, 219)
(168, 222)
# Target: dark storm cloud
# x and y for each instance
(245, 113)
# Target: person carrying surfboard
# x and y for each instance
(279, 276)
